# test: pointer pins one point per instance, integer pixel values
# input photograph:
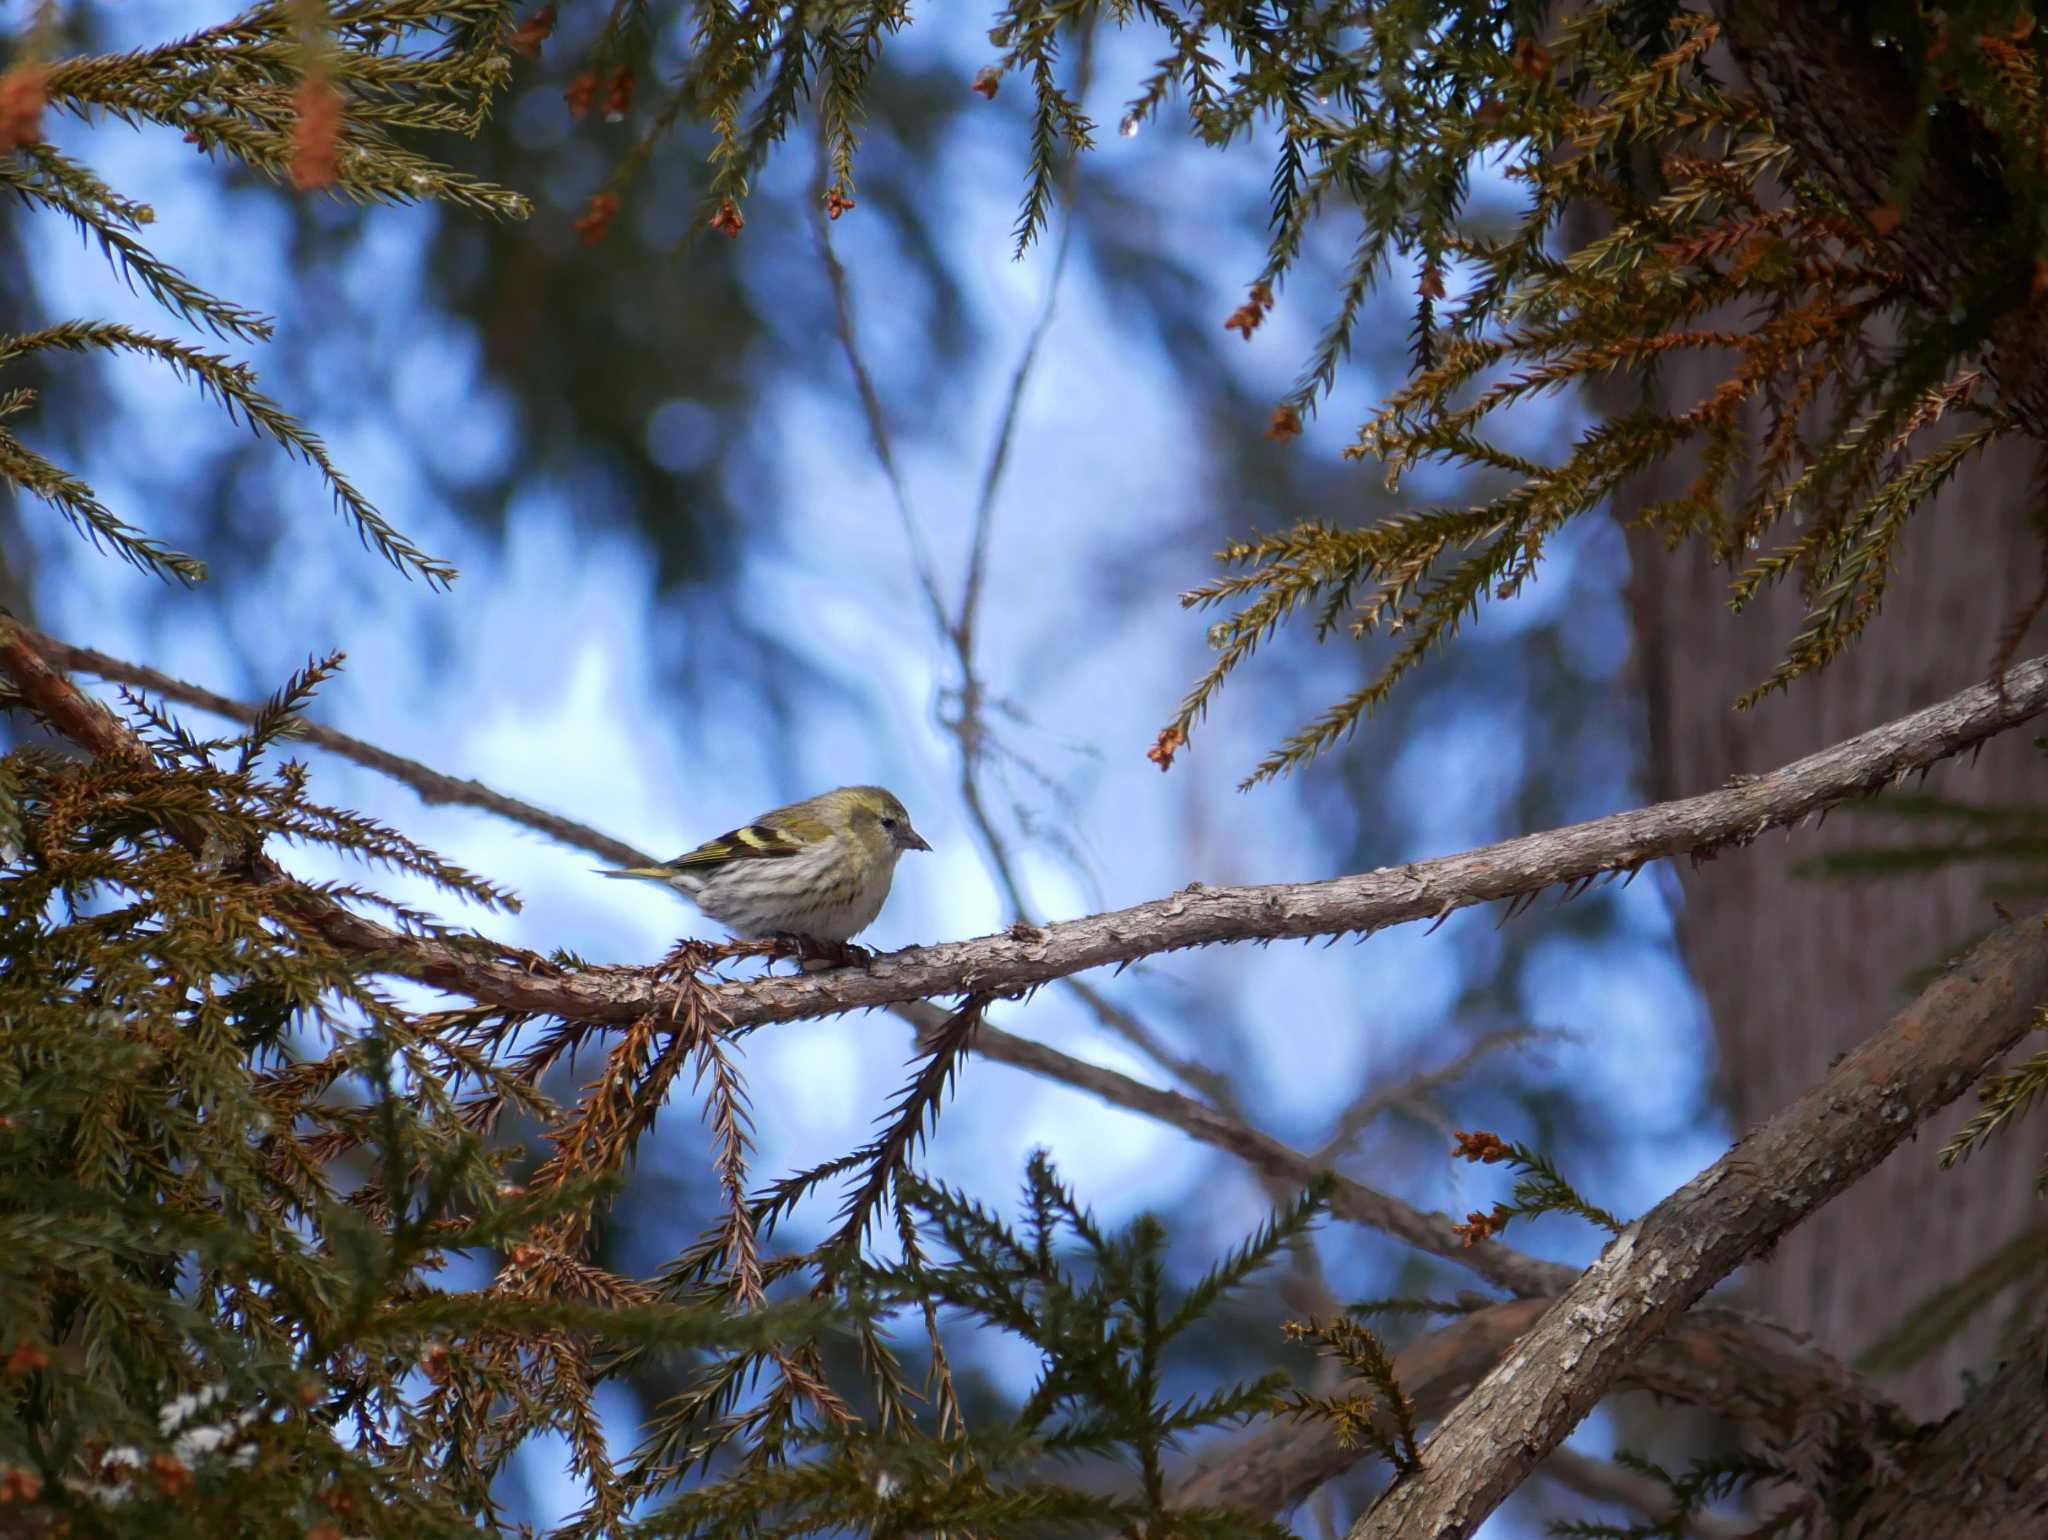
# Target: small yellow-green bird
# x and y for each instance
(818, 869)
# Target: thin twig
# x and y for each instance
(1368, 1108)
(1283, 1168)
(431, 784)
(871, 402)
(1619, 844)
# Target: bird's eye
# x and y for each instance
(888, 822)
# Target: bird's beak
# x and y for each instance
(909, 839)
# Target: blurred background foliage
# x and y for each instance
(688, 595)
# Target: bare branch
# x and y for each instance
(1872, 1100)
(1747, 1370)
(1288, 1168)
(1026, 956)
(1370, 1106)
(431, 785)
(1978, 1477)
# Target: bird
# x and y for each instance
(817, 870)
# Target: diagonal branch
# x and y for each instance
(1866, 1106)
(1745, 1369)
(1288, 1168)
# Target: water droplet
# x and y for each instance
(1130, 126)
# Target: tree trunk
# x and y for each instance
(1795, 968)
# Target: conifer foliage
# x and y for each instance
(285, 1251)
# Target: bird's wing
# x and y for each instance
(755, 841)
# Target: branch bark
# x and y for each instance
(1747, 1370)
(1777, 1175)
(1026, 956)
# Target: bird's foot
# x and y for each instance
(815, 956)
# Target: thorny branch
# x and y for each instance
(1026, 956)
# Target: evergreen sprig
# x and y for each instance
(335, 111)
(2003, 1099)
(235, 1176)
(1539, 1189)
(1096, 1308)
(1381, 1416)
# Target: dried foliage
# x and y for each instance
(232, 1167)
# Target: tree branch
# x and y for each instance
(1979, 1476)
(1026, 956)
(431, 785)
(1872, 1100)
(1747, 1370)
(1431, 1232)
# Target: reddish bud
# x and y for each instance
(1165, 747)
(986, 80)
(21, 106)
(20, 1486)
(534, 31)
(595, 223)
(170, 1475)
(1480, 1227)
(581, 93)
(27, 1358)
(728, 220)
(1245, 318)
(618, 97)
(836, 203)
(316, 134)
(1286, 424)
(1532, 59)
(1479, 1146)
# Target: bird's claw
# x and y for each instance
(815, 956)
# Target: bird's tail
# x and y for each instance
(645, 873)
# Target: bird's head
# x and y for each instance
(878, 819)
